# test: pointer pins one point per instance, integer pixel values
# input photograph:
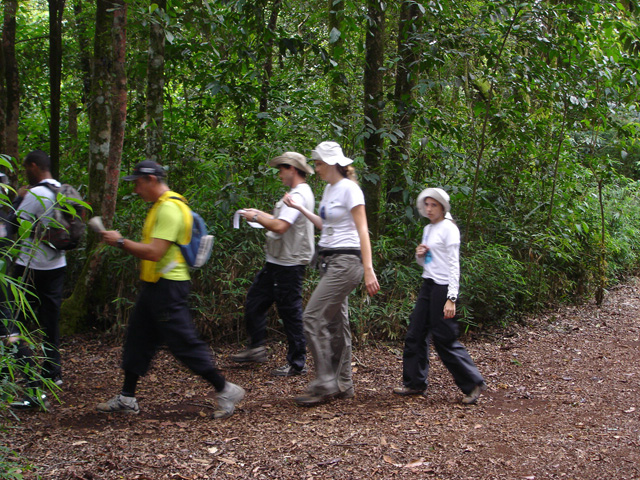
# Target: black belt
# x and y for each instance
(340, 251)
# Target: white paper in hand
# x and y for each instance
(236, 221)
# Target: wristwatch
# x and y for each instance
(255, 218)
(453, 298)
(120, 243)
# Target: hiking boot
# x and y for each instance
(406, 391)
(348, 393)
(228, 398)
(288, 371)
(31, 403)
(311, 399)
(119, 403)
(473, 396)
(257, 355)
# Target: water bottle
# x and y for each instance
(428, 257)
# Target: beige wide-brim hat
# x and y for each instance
(331, 154)
(438, 194)
(294, 159)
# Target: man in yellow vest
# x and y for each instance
(161, 314)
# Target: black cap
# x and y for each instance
(144, 168)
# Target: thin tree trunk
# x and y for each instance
(336, 40)
(406, 80)
(12, 84)
(268, 63)
(72, 115)
(155, 88)
(85, 55)
(56, 9)
(3, 98)
(267, 69)
(373, 110)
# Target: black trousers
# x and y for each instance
(48, 287)
(427, 322)
(282, 285)
(161, 316)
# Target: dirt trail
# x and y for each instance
(562, 403)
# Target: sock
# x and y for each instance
(130, 383)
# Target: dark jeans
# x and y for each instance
(161, 316)
(427, 322)
(47, 286)
(282, 285)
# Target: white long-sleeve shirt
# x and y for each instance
(443, 260)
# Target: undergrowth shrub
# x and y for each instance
(494, 288)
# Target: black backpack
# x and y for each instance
(67, 218)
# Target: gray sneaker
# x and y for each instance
(288, 371)
(257, 355)
(228, 398)
(473, 396)
(119, 403)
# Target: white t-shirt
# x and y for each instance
(338, 228)
(40, 257)
(443, 259)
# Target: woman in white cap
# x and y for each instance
(344, 256)
(434, 311)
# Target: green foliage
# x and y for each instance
(12, 466)
(494, 285)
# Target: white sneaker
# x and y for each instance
(119, 403)
(228, 398)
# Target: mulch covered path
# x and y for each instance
(563, 402)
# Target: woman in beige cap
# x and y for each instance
(434, 311)
(344, 256)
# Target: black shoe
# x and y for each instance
(31, 403)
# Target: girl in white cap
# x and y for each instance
(344, 256)
(434, 311)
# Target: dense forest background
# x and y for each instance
(525, 112)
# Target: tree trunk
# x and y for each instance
(56, 9)
(337, 78)
(373, 110)
(72, 114)
(406, 80)
(77, 308)
(155, 88)
(83, 43)
(3, 98)
(11, 85)
(267, 70)
(119, 112)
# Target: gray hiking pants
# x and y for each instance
(326, 324)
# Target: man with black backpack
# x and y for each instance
(40, 265)
(161, 314)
